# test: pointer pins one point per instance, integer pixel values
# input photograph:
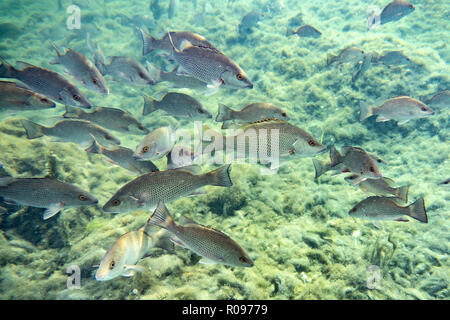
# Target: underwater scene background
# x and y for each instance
(296, 229)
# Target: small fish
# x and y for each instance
(394, 58)
(250, 113)
(181, 156)
(52, 194)
(123, 256)
(128, 70)
(45, 82)
(305, 31)
(109, 118)
(394, 11)
(347, 55)
(82, 69)
(353, 159)
(401, 109)
(173, 8)
(386, 208)
(145, 191)
(210, 66)
(178, 105)
(212, 245)
(176, 80)
(122, 157)
(438, 99)
(13, 97)
(156, 144)
(249, 21)
(76, 131)
(363, 66)
(382, 187)
(99, 57)
(150, 44)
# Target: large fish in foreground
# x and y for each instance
(386, 208)
(81, 69)
(16, 98)
(52, 194)
(76, 131)
(210, 66)
(213, 245)
(45, 82)
(401, 109)
(128, 250)
(122, 157)
(145, 191)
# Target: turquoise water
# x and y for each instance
(295, 228)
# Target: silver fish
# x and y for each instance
(394, 11)
(150, 43)
(438, 99)
(145, 191)
(45, 82)
(305, 31)
(250, 113)
(109, 118)
(386, 208)
(249, 21)
(82, 69)
(347, 55)
(401, 109)
(174, 78)
(14, 97)
(394, 58)
(122, 157)
(128, 70)
(178, 105)
(156, 144)
(52, 194)
(210, 66)
(76, 131)
(363, 66)
(383, 187)
(123, 256)
(213, 245)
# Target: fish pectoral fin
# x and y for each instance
(53, 209)
(206, 261)
(359, 180)
(402, 122)
(177, 242)
(143, 199)
(135, 268)
(213, 87)
(382, 119)
(376, 225)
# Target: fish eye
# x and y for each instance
(372, 169)
(108, 137)
(354, 209)
(201, 111)
(145, 149)
(112, 264)
(94, 81)
(116, 202)
(312, 143)
(44, 100)
(82, 197)
(424, 109)
(284, 114)
(243, 259)
(239, 76)
(76, 98)
(141, 75)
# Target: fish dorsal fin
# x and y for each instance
(263, 121)
(183, 221)
(23, 65)
(193, 168)
(389, 181)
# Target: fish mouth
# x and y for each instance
(136, 157)
(250, 86)
(322, 150)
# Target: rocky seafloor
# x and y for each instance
(295, 228)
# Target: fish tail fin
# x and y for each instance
(147, 42)
(373, 20)
(72, 112)
(319, 167)
(402, 193)
(149, 105)
(335, 156)
(95, 147)
(221, 177)
(366, 110)
(224, 113)
(55, 61)
(32, 129)
(6, 70)
(161, 216)
(417, 210)
(331, 58)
